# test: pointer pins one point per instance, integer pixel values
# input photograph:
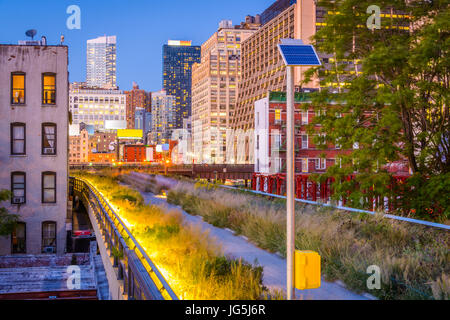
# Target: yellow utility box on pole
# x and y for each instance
(307, 270)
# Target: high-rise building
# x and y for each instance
(214, 89)
(136, 98)
(104, 109)
(143, 121)
(178, 58)
(263, 68)
(163, 117)
(34, 144)
(101, 62)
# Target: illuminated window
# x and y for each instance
(18, 88)
(304, 165)
(48, 88)
(277, 115)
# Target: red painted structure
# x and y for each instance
(134, 153)
(307, 189)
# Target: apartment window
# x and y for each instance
(48, 88)
(18, 88)
(48, 187)
(19, 238)
(48, 237)
(276, 141)
(337, 144)
(257, 142)
(278, 116)
(304, 117)
(304, 165)
(304, 141)
(18, 142)
(48, 139)
(321, 164)
(18, 187)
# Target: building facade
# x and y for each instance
(136, 98)
(143, 121)
(215, 88)
(164, 113)
(270, 137)
(98, 107)
(263, 68)
(102, 157)
(101, 62)
(79, 147)
(134, 153)
(102, 142)
(178, 58)
(34, 144)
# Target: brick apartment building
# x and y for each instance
(136, 98)
(102, 142)
(79, 148)
(270, 137)
(34, 141)
(134, 153)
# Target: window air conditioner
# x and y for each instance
(18, 200)
(49, 249)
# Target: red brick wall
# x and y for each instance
(134, 153)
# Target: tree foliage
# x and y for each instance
(7, 220)
(391, 89)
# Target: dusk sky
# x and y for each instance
(141, 27)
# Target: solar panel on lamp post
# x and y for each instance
(294, 53)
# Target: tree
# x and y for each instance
(7, 220)
(391, 86)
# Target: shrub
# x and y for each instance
(413, 258)
(189, 259)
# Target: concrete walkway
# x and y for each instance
(274, 276)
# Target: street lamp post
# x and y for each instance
(294, 53)
(290, 171)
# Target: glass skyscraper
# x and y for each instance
(275, 9)
(178, 58)
(101, 62)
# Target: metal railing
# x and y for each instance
(141, 278)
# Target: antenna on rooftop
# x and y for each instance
(31, 33)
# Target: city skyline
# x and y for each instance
(138, 59)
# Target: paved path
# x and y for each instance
(274, 276)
